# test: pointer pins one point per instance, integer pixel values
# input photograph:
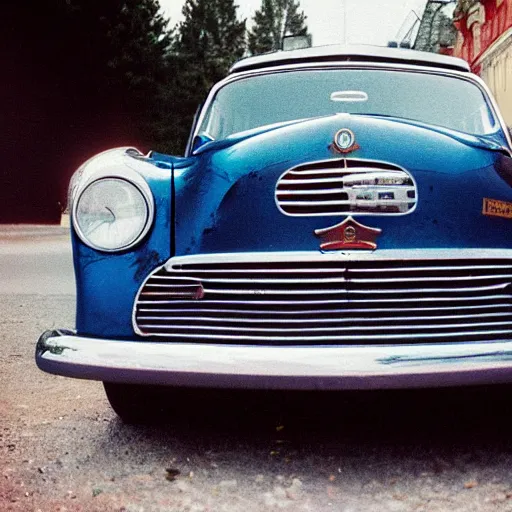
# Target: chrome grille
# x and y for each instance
(337, 187)
(326, 299)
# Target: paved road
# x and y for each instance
(35, 260)
(61, 447)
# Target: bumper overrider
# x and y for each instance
(275, 367)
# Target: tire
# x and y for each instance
(138, 404)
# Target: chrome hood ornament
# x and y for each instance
(345, 141)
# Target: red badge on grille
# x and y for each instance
(349, 234)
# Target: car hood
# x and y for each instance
(224, 195)
(492, 141)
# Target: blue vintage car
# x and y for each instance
(341, 220)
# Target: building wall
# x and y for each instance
(496, 70)
(484, 39)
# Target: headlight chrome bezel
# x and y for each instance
(132, 178)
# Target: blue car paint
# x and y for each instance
(222, 200)
(225, 200)
(108, 282)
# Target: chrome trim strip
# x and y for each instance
(289, 192)
(307, 330)
(331, 291)
(346, 170)
(248, 311)
(307, 182)
(177, 262)
(175, 285)
(333, 270)
(264, 338)
(455, 267)
(339, 203)
(250, 280)
(177, 294)
(337, 301)
(396, 317)
(327, 191)
(427, 279)
(344, 277)
(290, 367)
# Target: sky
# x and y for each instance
(367, 21)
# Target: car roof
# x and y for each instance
(340, 53)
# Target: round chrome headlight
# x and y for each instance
(112, 214)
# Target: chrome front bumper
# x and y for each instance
(275, 367)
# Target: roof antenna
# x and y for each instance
(406, 40)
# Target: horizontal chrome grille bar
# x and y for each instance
(327, 311)
(293, 192)
(346, 301)
(311, 181)
(191, 271)
(341, 291)
(370, 338)
(304, 321)
(306, 330)
(339, 301)
(312, 204)
(345, 277)
(336, 171)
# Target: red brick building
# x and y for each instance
(484, 39)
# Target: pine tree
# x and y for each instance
(212, 36)
(96, 80)
(209, 40)
(274, 20)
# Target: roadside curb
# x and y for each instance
(19, 231)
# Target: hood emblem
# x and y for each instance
(345, 141)
(349, 234)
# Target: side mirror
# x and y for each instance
(200, 140)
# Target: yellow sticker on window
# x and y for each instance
(496, 208)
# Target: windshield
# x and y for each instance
(267, 99)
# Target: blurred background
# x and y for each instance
(82, 76)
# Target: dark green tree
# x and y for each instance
(212, 35)
(209, 40)
(274, 20)
(137, 41)
(85, 75)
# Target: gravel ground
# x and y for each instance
(63, 449)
